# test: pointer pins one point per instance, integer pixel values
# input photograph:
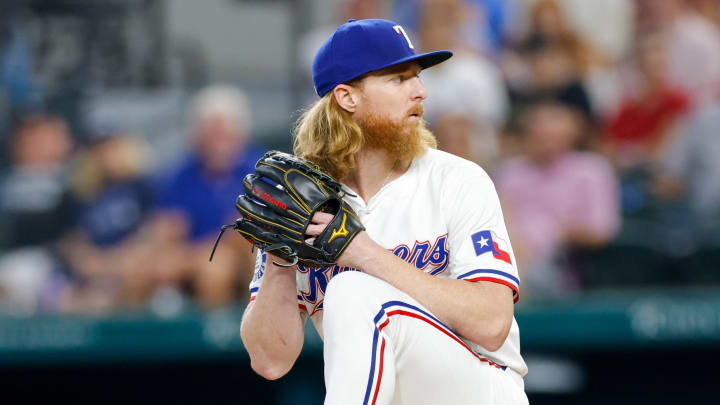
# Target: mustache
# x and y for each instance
(417, 110)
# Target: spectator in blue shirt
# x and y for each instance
(107, 249)
(198, 198)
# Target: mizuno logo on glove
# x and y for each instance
(342, 231)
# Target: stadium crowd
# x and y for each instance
(599, 125)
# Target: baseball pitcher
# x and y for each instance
(396, 252)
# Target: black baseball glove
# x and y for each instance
(279, 202)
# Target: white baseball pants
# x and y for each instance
(383, 347)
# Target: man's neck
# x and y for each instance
(374, 168)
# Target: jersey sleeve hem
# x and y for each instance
(253, 293)
(495, 276)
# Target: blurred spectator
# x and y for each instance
(693, 45)
(691, 172)
(555, 75)
(199, 197)
(485, 27)
(638, 132)
(17, 67)
(468, 101)
(556, 199)
(108, 249)
(554, 60)
(549, 24)
(606, 26)
(36, 208)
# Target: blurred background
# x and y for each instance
(127, 126)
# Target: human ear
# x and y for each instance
(346, 97)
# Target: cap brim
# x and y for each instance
(425, 60)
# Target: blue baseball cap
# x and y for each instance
(361, 46)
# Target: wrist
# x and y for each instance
(273, 268)
(361, 253)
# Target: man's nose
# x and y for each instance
(418, 91)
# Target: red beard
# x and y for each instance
(400, 140)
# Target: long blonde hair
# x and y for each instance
(327, 135)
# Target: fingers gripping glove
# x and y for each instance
(279, 201)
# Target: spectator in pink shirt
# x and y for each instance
(556, 198)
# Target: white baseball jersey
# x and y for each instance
(443, 216)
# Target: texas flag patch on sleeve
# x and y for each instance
(488, 241)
